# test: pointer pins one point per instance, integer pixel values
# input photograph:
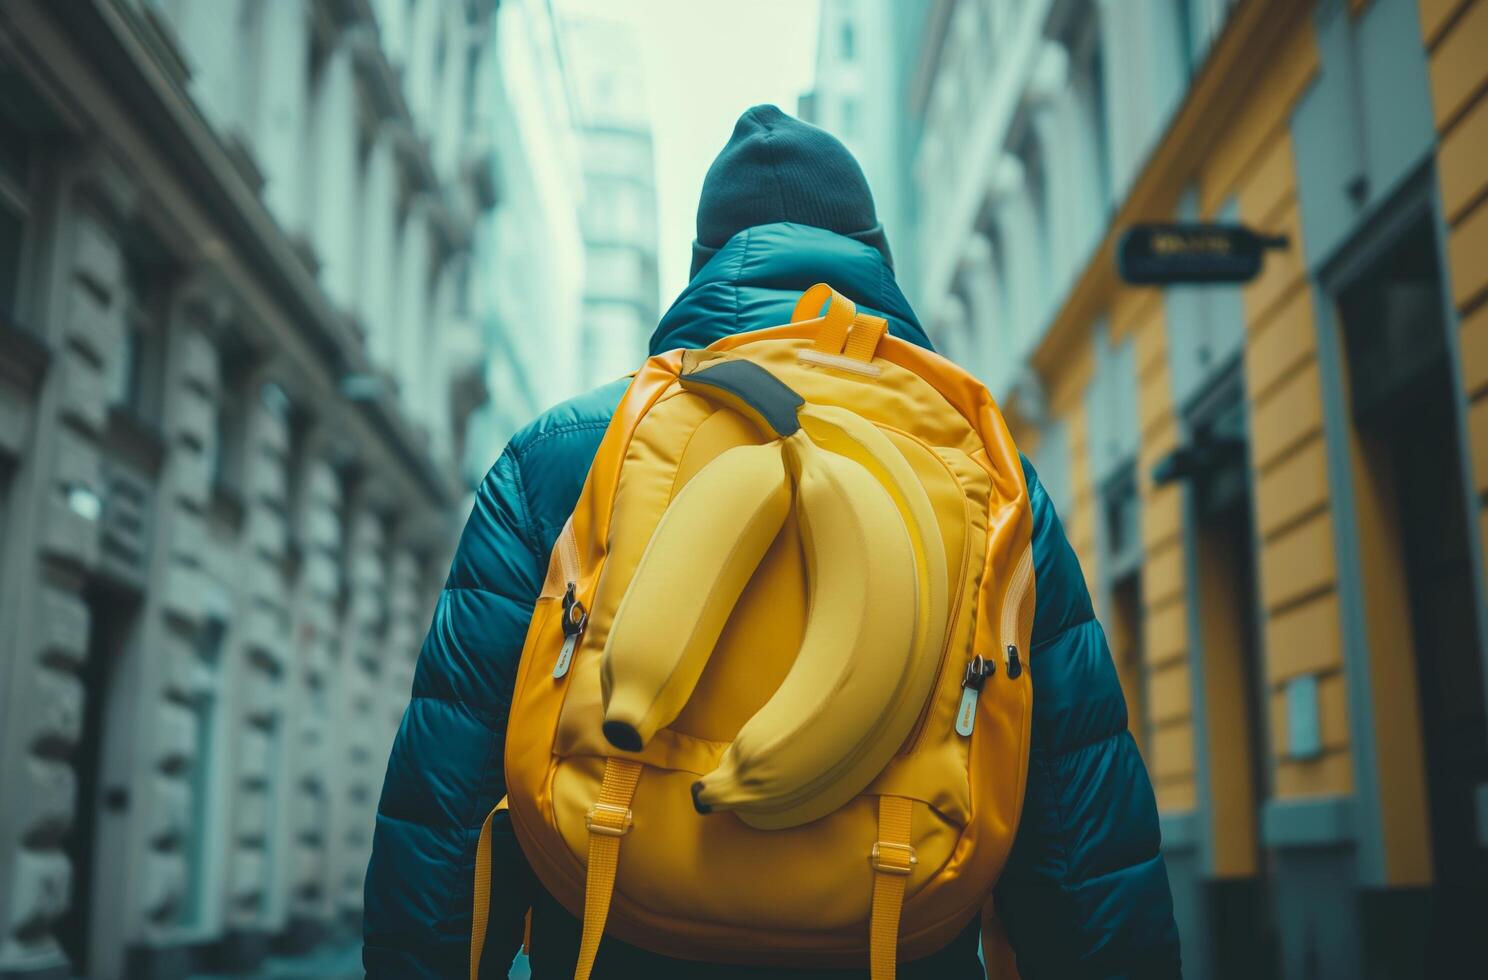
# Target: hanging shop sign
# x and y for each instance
(1164, 254)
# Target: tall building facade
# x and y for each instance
(621, 285)
(1276, 489)
(238, 348)
(529, 272)
(864, 50)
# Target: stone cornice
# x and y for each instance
(107, 30)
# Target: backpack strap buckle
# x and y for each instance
(893, 859)
(609, 820)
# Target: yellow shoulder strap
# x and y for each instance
(480, 911)
(609, 820)
(997, 952)
(893, 861)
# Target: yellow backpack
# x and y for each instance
(773, 705)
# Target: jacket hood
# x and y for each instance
(754, 280)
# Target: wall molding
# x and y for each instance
(1321, 822)
(1180, 831)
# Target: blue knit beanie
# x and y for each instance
(778, 168)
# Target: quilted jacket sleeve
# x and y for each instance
(1085, 892)
(445, 772)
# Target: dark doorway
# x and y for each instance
(113, 616)
(1126, 649)
(1122, 559)
(1404, 399)
(1240, 918)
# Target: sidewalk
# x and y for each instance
(334, 963)
(328, 963)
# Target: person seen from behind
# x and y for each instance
(1082, 890)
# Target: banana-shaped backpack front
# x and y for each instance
(772, 706)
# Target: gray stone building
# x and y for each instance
(529, 290)
(621, 289)
(236, 361)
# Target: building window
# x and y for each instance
(471, 86)
(229, 447)
(463, 299)
(849, 117)
(249, 81)
(15, 160)
(137, 378)
(1206, 324)
(309, 141)
(204, 795)
(1123, 527)
(1111, 409)
(1052, 459)
(441, 55)
(124, 380)
(1121, 568)
(11, 231)
(1035, 181)
(1002, 311)
(1093, 141)
(1101, 124)
(15, 172)
(987, 11)
(1183, 35)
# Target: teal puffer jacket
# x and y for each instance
(1085, 892)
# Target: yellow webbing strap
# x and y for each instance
(867, 331)
(893, 861)
(835, 322)
(997, 952)
(480, 910)
(609, 820)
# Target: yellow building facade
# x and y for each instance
(1277, 491)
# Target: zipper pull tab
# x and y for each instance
(976, 675)
(575, 618)
(1014, 665)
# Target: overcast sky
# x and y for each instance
(706, 62)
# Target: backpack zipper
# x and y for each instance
(575, 616)
(976, 675)
(953, 611)
(982, 668)
(1012, 611)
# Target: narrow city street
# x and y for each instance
(331, 333)
(335, 963)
